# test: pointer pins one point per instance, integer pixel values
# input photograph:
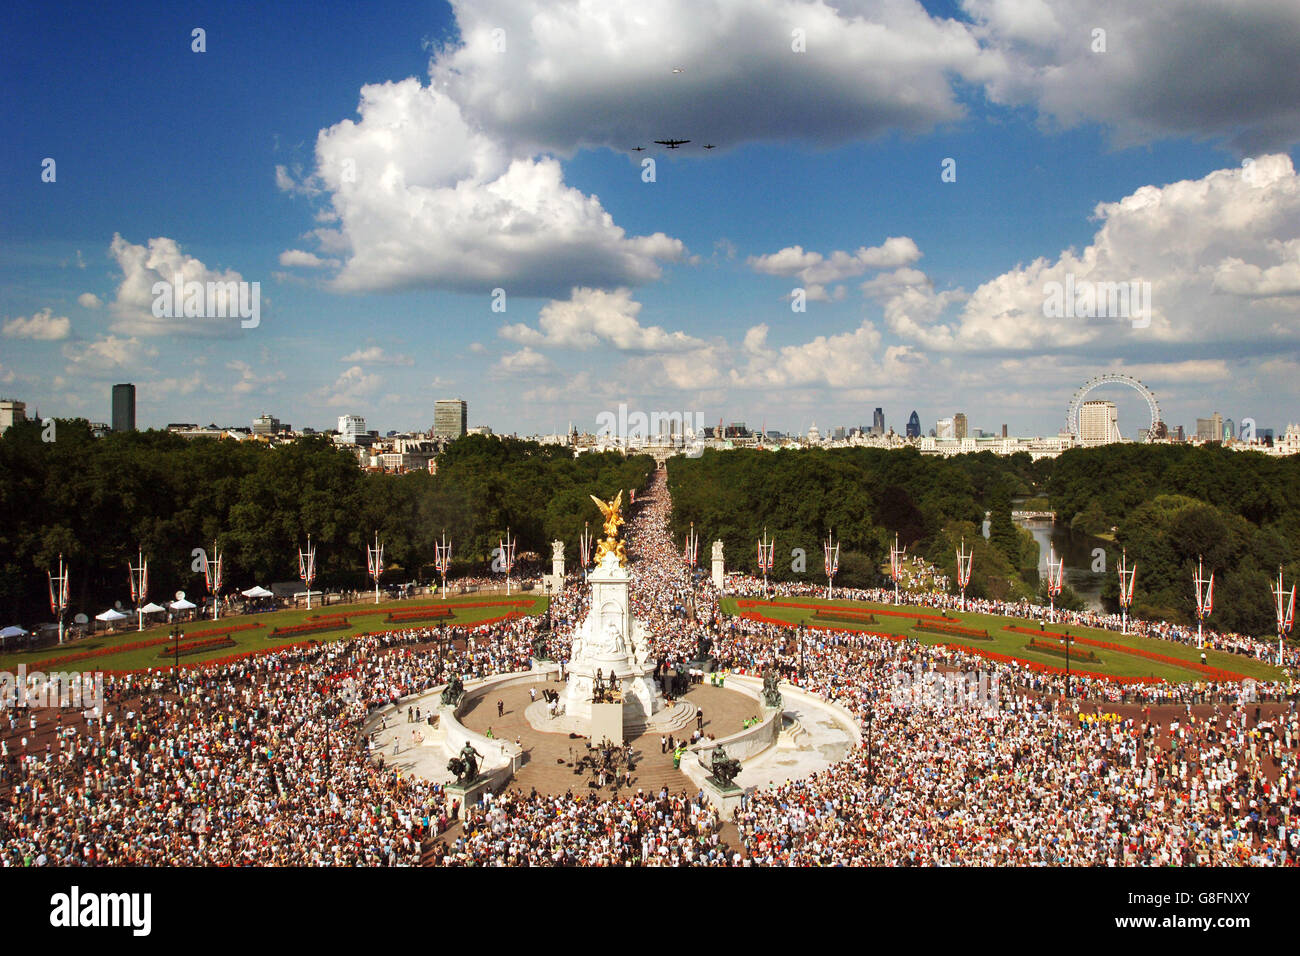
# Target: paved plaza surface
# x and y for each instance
(547, 754)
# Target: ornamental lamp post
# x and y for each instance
(1066, 642)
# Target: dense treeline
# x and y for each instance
(1165, 504)
(865, 496)
(1168, 504)
(98, 500)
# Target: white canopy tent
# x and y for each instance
(110, 616)
(182, 605)
(152, 608)
(10, 632)
(257, 591)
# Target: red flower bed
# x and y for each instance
(228, 659)
(214, 631)
(101, 652)
(978, 651)
(398, 617)
(1047, 647)
(315, 627)
(750, 603)
(197, 647)
(956, 630)
(1214, 673)
(504, 602)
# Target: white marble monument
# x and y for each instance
(612, 641)
(719, 569)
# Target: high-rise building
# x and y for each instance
(351, 427)
(959, 427)
(12, 412)
(945, 428)
(1004, 431)
(1210, 429)
(450, 417)
(268, 425)
(878, 422)
(1179, 435)
(1098, 423)
(124, 408)
(914, 425)
(1229, 430)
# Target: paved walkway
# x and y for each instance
(550, 757)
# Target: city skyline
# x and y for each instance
(961, 220)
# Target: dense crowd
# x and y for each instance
(262, 761)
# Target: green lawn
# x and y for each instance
(258, 638)
(1014, 644)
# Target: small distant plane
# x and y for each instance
(638, 148)
(672, 143)
(709, 146)
(679, 69)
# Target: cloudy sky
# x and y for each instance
(444, 201)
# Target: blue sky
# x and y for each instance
(378, 223)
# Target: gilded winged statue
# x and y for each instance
(613, 521)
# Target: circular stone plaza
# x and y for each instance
(646, 720)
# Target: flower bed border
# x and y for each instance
(953, 630)
(1044, 647)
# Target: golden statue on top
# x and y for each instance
(613, 521)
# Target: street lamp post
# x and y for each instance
(1066, 641)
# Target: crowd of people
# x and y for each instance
(262, 760)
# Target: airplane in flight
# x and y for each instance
(672, 143)
(709, 146)
(638, 148)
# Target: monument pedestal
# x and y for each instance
(607, 724)
(726, 798)
(468, 793)
(610, 642)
